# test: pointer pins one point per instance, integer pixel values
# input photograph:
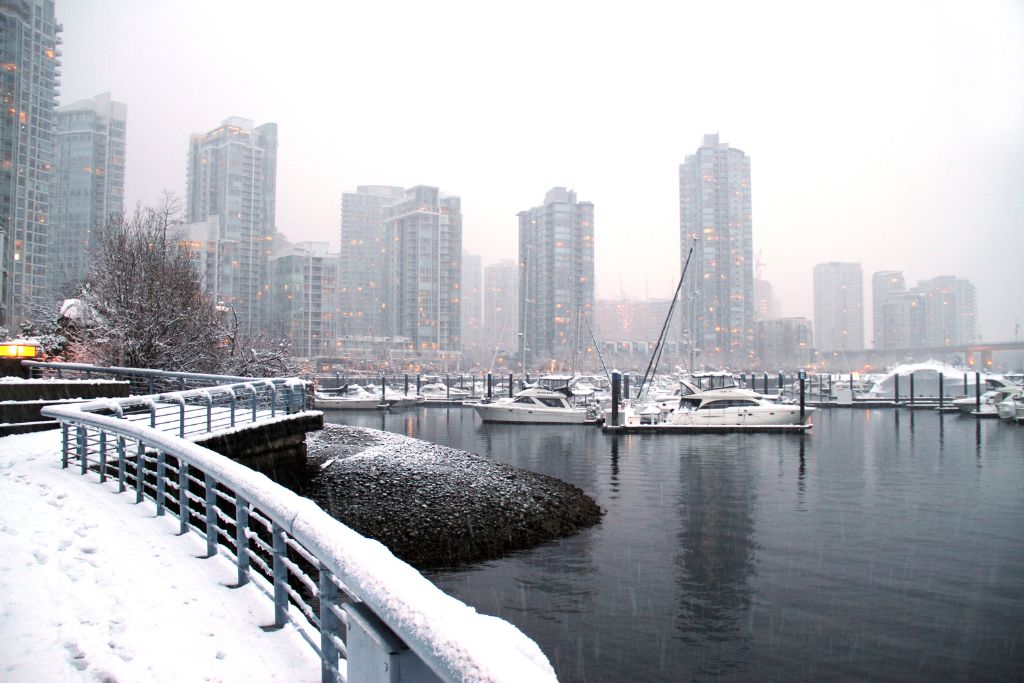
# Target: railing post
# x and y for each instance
(242, 539)
(511, 391)
(209, 413)
(329, 623)
(280, 576)
(255, 399)
(181, 419)
(140, 468)
(273, 401)
(149, 384)
(376, 654)
(121, 465)
(183, 506)
(82, 437)
(152, 414)
(210, 484)
(160, 491)
(64, 445)
(231, 392)
(103, 456)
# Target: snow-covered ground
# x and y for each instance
(96, 588)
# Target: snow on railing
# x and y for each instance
(369, 615)
(141, 380)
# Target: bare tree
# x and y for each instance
(143, 304)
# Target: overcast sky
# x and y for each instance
(888, 133)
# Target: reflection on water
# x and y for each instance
(864, 550)
(715, 555)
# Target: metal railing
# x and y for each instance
(141, 380)
(366, 613)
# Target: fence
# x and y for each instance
(367, 614)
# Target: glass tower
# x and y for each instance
(232, 174)
(88, 184)
(718, 302)
(29, 73)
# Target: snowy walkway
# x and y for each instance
(96, 588)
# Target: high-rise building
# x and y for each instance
(715, 218)
(556, 278)
(903, 323)
(950, 311)
(303, 297)
(88, 183)
(784, 343)
(501, 310)
(361, 276)
(838, 306)
(232, 174)
(29, 80)
(884, 284)
(423, 269)
(472, 289)
(764, 300)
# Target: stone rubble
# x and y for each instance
(435, 506)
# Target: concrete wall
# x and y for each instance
(277, 449)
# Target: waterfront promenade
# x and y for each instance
(97, 588)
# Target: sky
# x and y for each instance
(885, 133)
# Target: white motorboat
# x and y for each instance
(439, 391)
(987, 405)
(534, 406)
(718, 408)
(348, 397)
(1008, 407)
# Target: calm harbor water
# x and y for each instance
(885, 545)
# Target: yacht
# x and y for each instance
(348, 397)
(713, 409)
(719, 408)
(535, 406)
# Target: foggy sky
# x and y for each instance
(887, 133)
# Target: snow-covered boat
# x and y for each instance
(987, 405)
(534, 406)
(395, 400)
(348, 397)
(439, 391)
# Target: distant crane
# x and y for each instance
(759, 266)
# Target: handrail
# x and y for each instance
(446, 636)
(137, 372)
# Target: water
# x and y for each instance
(885, 545)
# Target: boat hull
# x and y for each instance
(509, 412)
(740, 417)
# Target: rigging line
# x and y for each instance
(597, 346)
(664, 328)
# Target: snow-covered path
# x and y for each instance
(96, 588)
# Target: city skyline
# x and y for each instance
(905, 156)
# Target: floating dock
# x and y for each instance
(705, 429)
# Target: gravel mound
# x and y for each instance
(435, 506)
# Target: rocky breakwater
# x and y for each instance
(435, 506)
